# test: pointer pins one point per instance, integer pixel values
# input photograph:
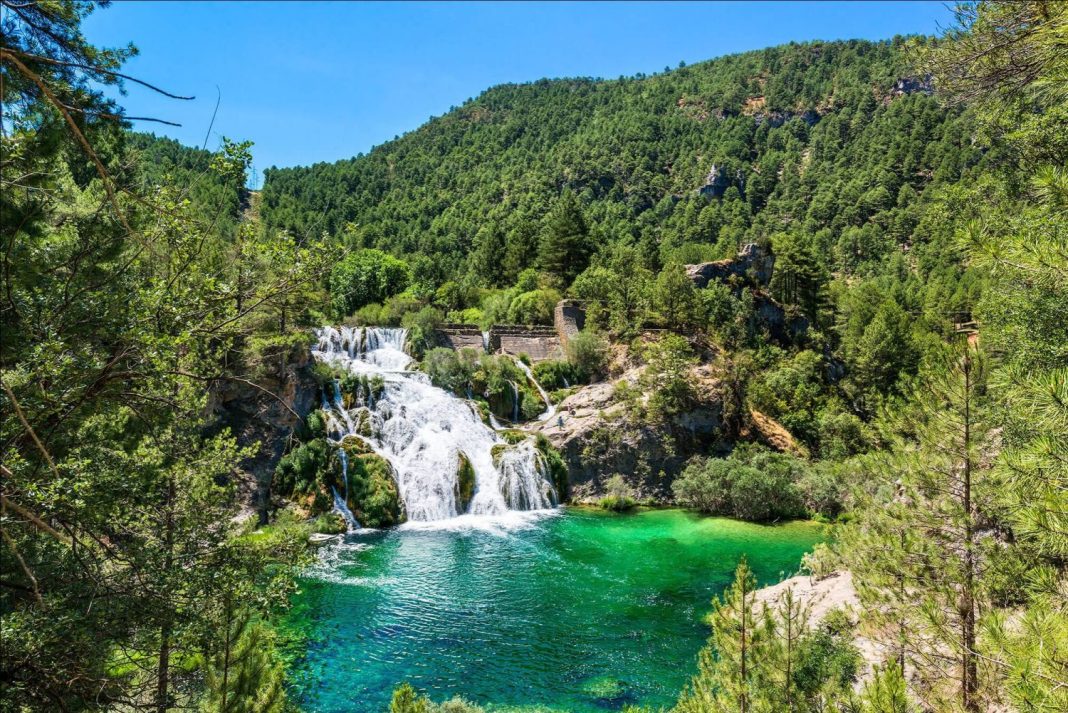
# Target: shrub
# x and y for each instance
(619, 496)
(588, 354)
(753, 484)
(373, 495)
(554, 375)
(421, 326)
(330, 523)
(534, 307)
(364, 277)
(705, 485)
(667, 377)
(303, 469)
(451, 370)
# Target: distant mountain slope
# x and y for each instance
(834, 139)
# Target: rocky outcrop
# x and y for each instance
(263, 414)
(752, 267)
(719, 180)
(912, 85)
(753, 262)
(597, 438)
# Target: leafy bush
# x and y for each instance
(304, 469)
(271, 352)
(588, 354)
(667, 377)
(753, 484)
(450, 369)
(373, 495)
(364, 277)
(421, 326)
(330, 523)
(619, 496)
(555, 463)
(534, 307)
(556, 374)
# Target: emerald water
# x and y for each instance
(575, 611)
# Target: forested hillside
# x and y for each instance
(912, 194)
(831, 141)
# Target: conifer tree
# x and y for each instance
(242, 677)
(918, 560)
(565, 244)
(730, 665)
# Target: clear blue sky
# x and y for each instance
(312, 82)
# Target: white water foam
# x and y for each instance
(421, 431)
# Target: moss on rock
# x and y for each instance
(373, 495)
(465, 482)
(355, 446)
(557, 468)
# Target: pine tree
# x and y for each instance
(242, 676)
(918, 560)
(565, 244)
(791, 626)
(885, 693)
(675, 298)
(730, 665)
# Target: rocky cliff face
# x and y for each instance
(263, 414)
(598, 437)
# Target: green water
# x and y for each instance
(581, 611)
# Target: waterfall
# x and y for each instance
(550, 410)
(515, 402)
(421, 431)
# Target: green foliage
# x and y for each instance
(365, 277)
(752, 484)
(668, 377)
(373, 495)
(886, 692)
(565, 246)
(244, 675)
(406, 700)
(450, 369)
(675, 299)
(618, 495)
(422, 326)
(304, 469)
(587, 352)
(552, 374)
(768, 658)
(558, 473)
(533, 307)
(134, 288)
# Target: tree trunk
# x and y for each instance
(969, 668)
(166, 629)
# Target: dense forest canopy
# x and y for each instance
(831, 141)
(913, 193)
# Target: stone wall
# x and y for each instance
(569, 318)
(540, 343)
(461, 336)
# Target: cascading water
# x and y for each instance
(422, 430)
(550, 410)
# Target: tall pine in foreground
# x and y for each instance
(919, 560)
(1009, 61)
(728, 667)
